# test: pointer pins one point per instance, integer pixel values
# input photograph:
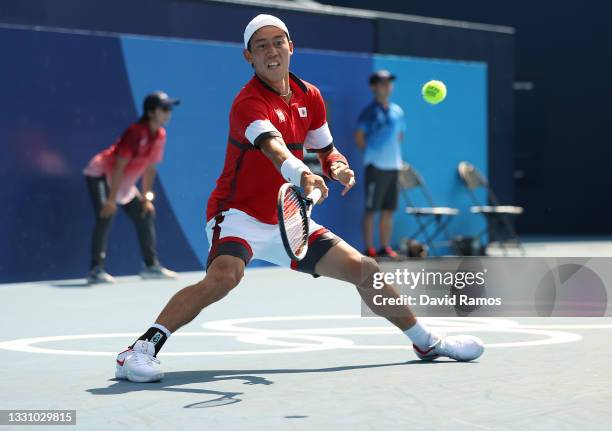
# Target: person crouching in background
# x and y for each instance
(111, 176)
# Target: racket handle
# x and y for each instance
(315, 195)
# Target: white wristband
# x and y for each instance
(292, 170)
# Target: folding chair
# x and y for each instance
(498, 216)
(425, 216)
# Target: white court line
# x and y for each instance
(463, 322)
(568, 326)
(552, 337)
(324, 343)
(318, 339)
(448, 324)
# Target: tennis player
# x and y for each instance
(272, 120)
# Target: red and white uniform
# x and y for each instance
(241, 211)
(138, 144)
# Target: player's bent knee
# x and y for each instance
(367, 268)
(223, 283)
(215, 286)
(221, 278)
(361, 269)
(370, 265)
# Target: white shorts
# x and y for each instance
(235, 233)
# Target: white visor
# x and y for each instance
(261, 21)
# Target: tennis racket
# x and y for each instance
(294, 218)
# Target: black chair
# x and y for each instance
(432, 215)
(500, 223)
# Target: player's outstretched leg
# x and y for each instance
(139, 363)
(344, 263)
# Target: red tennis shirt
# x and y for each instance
(249, 181)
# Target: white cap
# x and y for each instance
(260, 21)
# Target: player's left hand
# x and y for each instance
(344, 175)
(147, 207)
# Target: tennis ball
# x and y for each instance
(434, 92)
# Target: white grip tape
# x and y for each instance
(292, 170)
(315, 195)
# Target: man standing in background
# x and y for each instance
(380, 131)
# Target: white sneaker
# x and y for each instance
(157, 272)
(458, 347)
(138, 363)
(99, 276)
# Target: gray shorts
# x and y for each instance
(381, 189)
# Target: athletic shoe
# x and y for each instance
(138, 363)
(458, 347)
(388, 252)
(370, 252)
(99, 276)
(157, 272)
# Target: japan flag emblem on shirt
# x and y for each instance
(281, 115)
(303, 112)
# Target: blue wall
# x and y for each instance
(67, 107)
(212, 20)
(66, 97)
(438, 137)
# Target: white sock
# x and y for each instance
(162, 328)
(419, 335)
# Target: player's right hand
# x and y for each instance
(109, 208)
(311, 182)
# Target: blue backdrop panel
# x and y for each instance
(69, 98)
(439, 136)
(497, 51)
(72, 95)
(206, 77)
(342, 79)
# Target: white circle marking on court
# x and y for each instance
(323, 343)
(448, 324)
(317, 339)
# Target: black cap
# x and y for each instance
(381, 75)
(159, 99)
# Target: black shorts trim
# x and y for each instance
(229, 246)
(316, 250)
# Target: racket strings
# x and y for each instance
(294, 216)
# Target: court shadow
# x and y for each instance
(72, 284)
(173, 380)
